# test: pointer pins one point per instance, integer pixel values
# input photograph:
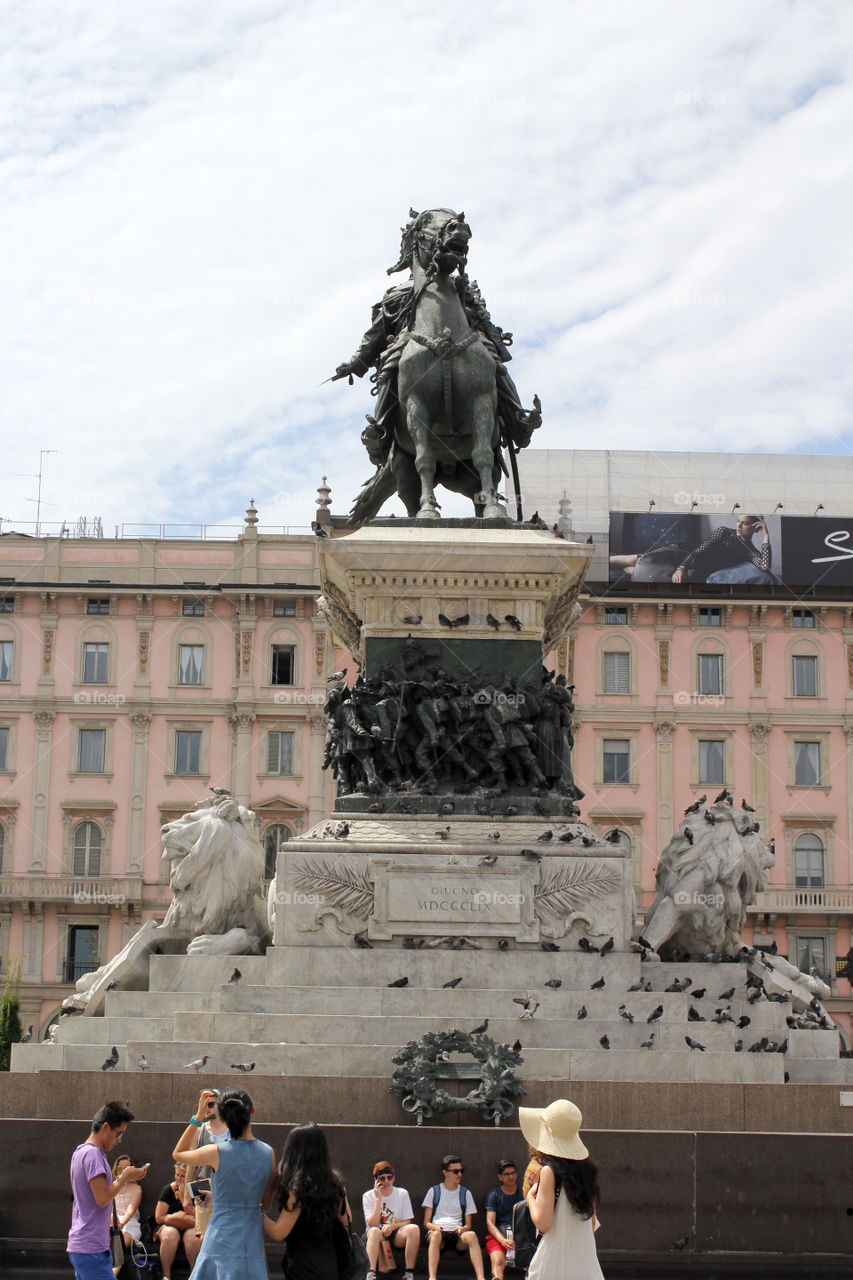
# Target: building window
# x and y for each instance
(83, 951)
(616, 617)
(804, 618)
(616, 760)
(711, 673)
(188, 751)
(190, 663)
(712, 762)
(808, 862)
(811, 953)
(7, 604)
(91, 744)
(807, 764)
(274, 838)
(86, 850)
(710, 617)
(95, 663)
(617, 673)
(6, 654)
(4, 749)
(98, 604)
(284, 609)
(282, 664)
(804, 676)
(280, 753)
(192, 608)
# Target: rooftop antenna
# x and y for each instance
(778, 507)
(652, 503)
(819, 507)
(735, 508)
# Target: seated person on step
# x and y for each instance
(499, 1206)
(389, 1219)
(449, 1208)
(175, 1218)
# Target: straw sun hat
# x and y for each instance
(554, 1131)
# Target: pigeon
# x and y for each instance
(111, 1062)
(531, 855)
(362, 943)
(612, 837)
(545, 837)
(493, 622)
(680, 1244)
(722, 1015)
(779, 997)
(488, 861)
(444, 833)
(726, 995)
(319, 532)
(444, 621)
(738, 1046)
(377, 806)
(503, 944)
(517, 1046)
(548, 946)
(113, 986)
(587, 841)
(636, 986)
(399, 982)
(608, 946)
(586, 945)
(656, 1014)
(243, 1066)
(27, 1036)
(554, 983)
(755, 996)
(341, 831)
(688, 835)
(197, 1065)
(461, 621)
(604, 1042)
(675, 985)
(513, 621)
(724, 797)
(694, 1044)
(759, 1045)
(414, 619)
(528, 1013)
(625, 1014)
(693, 1015)
(648, 1044)
(694, 808)
(510, 811)
(446, 810)
(525, 1000)
(567, 837)
(494, 836)
(454, 982)
(747, 808)
(235, 976)
(599, 985)
(481, 1030)
(220, 791)
(337, 676)
(699, 993)
(144, 1064)
(582, 1013)
(709, 817)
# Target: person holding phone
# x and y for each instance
(175, 1218)
(390, 1220)
(127, 1203)
(94, 1189)
(243, 1169)
(214, 1130)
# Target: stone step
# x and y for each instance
(157, 1004)
(203, 973)
(114, 1031)
(820, 1070)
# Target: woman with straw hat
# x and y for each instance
(563, 1202)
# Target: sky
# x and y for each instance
(199, 201)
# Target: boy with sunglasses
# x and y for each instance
(389, 1218)
(449, 1208)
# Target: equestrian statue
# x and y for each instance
(446, 406)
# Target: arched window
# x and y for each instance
(808, 861)
(274, 838)
(625, 841)
(86, 850)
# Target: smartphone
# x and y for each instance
(145, 1167)
(198, 1187)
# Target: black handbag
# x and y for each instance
(352, 1255)
(525, 1237)
(116, 1242)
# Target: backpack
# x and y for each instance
(525, 1237)
(463, 1199)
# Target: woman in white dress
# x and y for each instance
(564, 1198)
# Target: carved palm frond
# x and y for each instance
(566, 889)
(344, 887)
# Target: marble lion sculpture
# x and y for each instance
(216, 874)
(708, 875)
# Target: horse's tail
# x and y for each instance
(374, 493)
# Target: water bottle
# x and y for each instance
(510, 1253)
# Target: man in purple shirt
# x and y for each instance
(94, 1191)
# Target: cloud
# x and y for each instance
(201, 199)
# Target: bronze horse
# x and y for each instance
(445, 403)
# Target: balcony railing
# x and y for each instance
(804, 901)
(84, 891)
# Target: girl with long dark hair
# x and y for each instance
(312, 1202)
(564, 1197)
(243, 1170)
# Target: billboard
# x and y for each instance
(739, 549)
